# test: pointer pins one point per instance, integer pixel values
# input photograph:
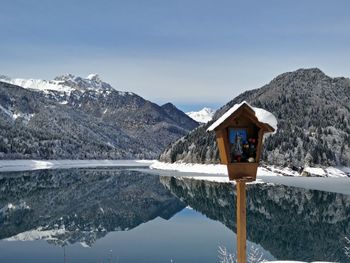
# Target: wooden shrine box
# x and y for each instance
(239, 135)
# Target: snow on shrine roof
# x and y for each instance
(262, 115)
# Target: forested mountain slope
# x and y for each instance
(313, 112)
(76, 118)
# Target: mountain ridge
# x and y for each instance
(65, 83)
(82, 122)
(313, 123)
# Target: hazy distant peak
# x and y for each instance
(4, 78)
(203, 116)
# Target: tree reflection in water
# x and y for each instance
(291, 223)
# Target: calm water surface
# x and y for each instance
(120, 215)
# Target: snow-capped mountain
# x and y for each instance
(72, 117)
(37, 84)
(64, 83)
(91, 82)
(203, 116)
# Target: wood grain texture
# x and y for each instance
(241, 222)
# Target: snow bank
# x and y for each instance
(328, 172)
(218, 169)
(315, 171)
(208, 172)
(268, 174)
(262, 171)
(191, 167)
(288, 261)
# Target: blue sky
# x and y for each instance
(192, 53)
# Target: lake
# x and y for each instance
(125, 215)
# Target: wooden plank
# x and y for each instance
(241, 170)
(241, 222)
(222, 141)
(259, 146)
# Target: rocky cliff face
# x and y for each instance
(76, 118)
(313, 113)
(291, 223)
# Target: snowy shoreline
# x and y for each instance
(216, 170)
(30, 165)
(270, 175)
(336, 180)
(219, 169)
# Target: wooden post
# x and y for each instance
(241, 222)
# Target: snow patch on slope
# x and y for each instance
(12, 207)
(15, 115)
(37, 234)
(38, 84)
(6, 111)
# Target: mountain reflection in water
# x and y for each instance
(68, 206)
(291, 223)
(72, 206)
